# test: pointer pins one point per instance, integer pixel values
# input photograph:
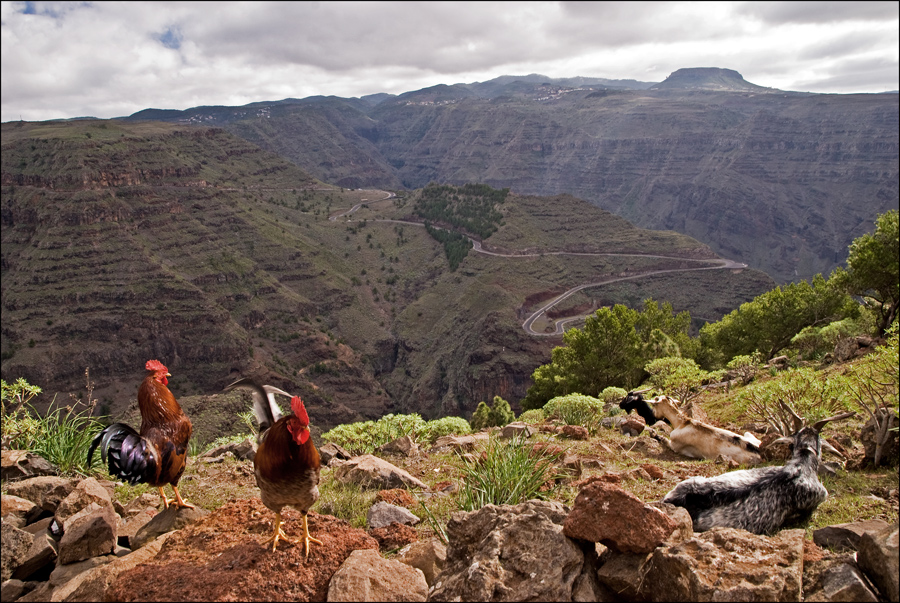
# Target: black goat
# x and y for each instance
(635, 401)
(764, 499)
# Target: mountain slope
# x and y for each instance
(783, 181)
(127, 241)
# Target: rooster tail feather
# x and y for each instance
(265, 409)
(126, 454)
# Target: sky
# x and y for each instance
(111, 59)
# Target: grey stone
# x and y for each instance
(845, 536)
(366, 576)
(877, 556)
(15, 546)
(383, 514)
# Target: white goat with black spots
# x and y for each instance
(764, 499)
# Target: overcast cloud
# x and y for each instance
(110, 59)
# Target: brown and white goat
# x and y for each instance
(698, 440)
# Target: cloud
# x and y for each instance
(61, 59)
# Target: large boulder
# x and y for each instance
(369, 471)
(845, 536)
(509, 553)
(726, 564)
(605, 513)
(877, 555)
(22, 464)
(44, 491)
(90, 532)
(173, 518)
(366, 576)
(15, 546)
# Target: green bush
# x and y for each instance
(365, 437)
(611, 396)
(535, 415)
(498, 415)
(575, 409)
(680, 378)
(442, 427)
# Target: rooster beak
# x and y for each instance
(168, 374)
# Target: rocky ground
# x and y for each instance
(86, 539)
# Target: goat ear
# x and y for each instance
(798, 422)
(820, 424)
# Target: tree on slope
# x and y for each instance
(873, 269)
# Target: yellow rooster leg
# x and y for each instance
(165, 499)
(307, 538)
(180, 502)
(277, 534)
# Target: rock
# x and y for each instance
(684, 525)
(244, 450)
(612, 422)
(173, 518)
(890, 451)
(842, 582)
(43, 553)
(845, 536)
(625, 574)
(575, 432)
(853, 347)
(517, 429)
(404, 446)
(607, 514)
(646, 446)
(17, 510)
(394, 536)
(130, 526)
(462, 443)
(726, 564)
(220, 558)
(86, 492)
(396, 496)
(22, 464)
(15, 546)
(367, 576)
(89, 533)
(93, 584)
(141, 503)
(570, 467)
(64, 573)
(509, 553)
(382, 514)
(45, 491)
(369, 471)
(429, 557)
(546, 449)
(877, 556)
(12, 589)
(653, 471)
(329, 451)
(632, 426)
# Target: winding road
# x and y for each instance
(717, 264)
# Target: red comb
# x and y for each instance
(156, 366)
(299, 410)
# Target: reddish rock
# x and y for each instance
(394, 536)
(396, 496)
(545, 449)
(220, 558)
(574, 432)
(632, 426)
(607, 514)
(653, 471)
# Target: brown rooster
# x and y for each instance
(157, 454)
(287, 463)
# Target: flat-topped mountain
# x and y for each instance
(709, 78)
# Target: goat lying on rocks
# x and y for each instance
(698, 440)
(764, 499)
(635, 401)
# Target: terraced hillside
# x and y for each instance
(127, 241)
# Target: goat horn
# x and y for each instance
(798, 422)
(820, 424)
(640, 391)
(831, 449)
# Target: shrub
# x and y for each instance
(535, 415)
(575, 409)
(365, 437)
(442, 427)
(611, 396)
(680, 378)
(498, 415)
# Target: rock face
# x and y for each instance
(724, 564)
(605, 513)
(366, 576)
(503, 553)
(219, 558)
(878, 557)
